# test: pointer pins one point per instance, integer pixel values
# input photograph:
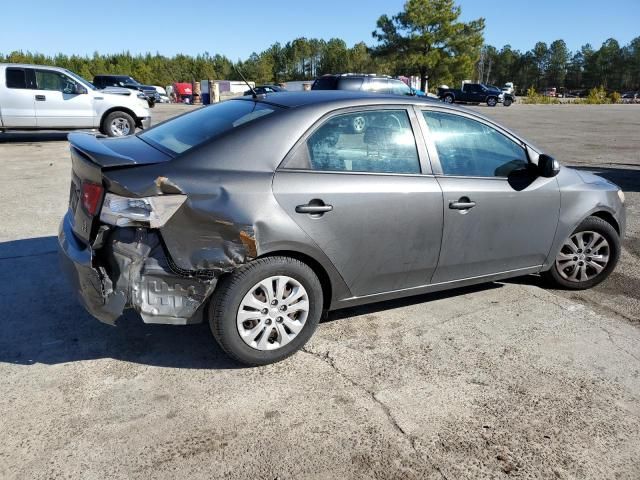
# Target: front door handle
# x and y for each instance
(462, 204)
(315, 208)
(40, 98)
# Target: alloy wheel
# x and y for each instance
(583, 256)
(272, 313)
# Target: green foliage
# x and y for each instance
(615, 97)
(534, 97)
(597, 96)
(427, 39)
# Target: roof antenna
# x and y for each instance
(253, 92)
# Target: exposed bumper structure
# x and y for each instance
(131, 270)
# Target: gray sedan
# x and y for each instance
(259, 214)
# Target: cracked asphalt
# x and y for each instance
(496, 381)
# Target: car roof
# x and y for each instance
(314, 97)
(31, 65)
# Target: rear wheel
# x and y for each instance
(507, 102)
(587, 257)
(118, 124)
(448, 99)
(266, 310)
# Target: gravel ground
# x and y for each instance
(500, 380)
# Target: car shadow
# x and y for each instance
(44, 324)
(407, 301)
(33, 137)
(628, 179)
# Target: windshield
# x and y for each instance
(187, 131)
(81, 80)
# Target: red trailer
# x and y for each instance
(183, 92)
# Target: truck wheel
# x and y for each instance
(492, 101)
(266, 310)
(118, 124)
(448, 99)
(507, 102)
(358, 124)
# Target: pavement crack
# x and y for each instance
(330, 361)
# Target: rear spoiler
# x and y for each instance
(96, 151)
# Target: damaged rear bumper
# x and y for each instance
(131, 270)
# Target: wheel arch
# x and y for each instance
(120, 109)
(315, 265)
(607, 217)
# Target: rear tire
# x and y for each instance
(448, 99)
(255, 326)
(118, 124)
(587, 257)
(507, 102)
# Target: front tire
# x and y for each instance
(266, 310)
(118, 124)
(587, 257)
(492, 101)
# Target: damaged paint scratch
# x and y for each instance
(164, 185)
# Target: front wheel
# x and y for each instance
(118, 124)
(492, 101)
(266, 310)
(587, 257)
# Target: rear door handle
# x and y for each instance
(315, 207)
(462, 204)
(40, 98)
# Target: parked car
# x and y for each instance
(39, 97)
(263, 89)
(509, 88)
(475, 93)
(257, 215)
(125, 81)
(162, 94)
(366, 83)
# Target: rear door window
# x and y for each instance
(16, 78)
(187, 131)
(378, 141)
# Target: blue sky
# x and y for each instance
(237, 28)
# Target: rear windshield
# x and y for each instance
(324, 83)
(195, 128)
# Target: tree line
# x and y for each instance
(425, 39)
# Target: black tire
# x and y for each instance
(358, 124)
(591, 224)
(122, 118)
(492, 101)
(448, 98)
(507, 102)
(230, 292)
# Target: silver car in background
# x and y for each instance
(259, 213)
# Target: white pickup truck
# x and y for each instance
(37, 97)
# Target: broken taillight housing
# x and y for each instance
(91, 195)
(150, 212)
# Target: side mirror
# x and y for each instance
(80, 90)
(548, 166)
